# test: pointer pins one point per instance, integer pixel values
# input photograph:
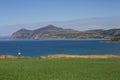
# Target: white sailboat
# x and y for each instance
(19, 53)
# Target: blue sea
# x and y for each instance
(35, 48)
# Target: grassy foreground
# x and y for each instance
(60, 69)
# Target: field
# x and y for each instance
(60, 69)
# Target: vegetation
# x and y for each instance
(60, 69)
(57, 56)
(115, 39)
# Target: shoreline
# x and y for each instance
(50, 39)
(79, 56)
(58, 56)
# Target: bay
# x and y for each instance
(48, 47)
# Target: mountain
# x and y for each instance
(112, 32)
(78, 24)
(53, 32)
(22, 34)
(47, 32)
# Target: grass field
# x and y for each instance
(60, 69)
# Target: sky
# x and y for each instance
(14, 12)
(30, 11)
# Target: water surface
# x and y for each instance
(46, 47)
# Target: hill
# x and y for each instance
(53, 32)
(47, 32)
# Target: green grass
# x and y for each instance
(60, 69)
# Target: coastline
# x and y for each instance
(79, 56)
(58, 56)
(47, 39)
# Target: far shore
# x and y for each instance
(47, 39)
(58, 56)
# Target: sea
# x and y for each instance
(34, 48)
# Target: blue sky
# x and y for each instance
(30, 11)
